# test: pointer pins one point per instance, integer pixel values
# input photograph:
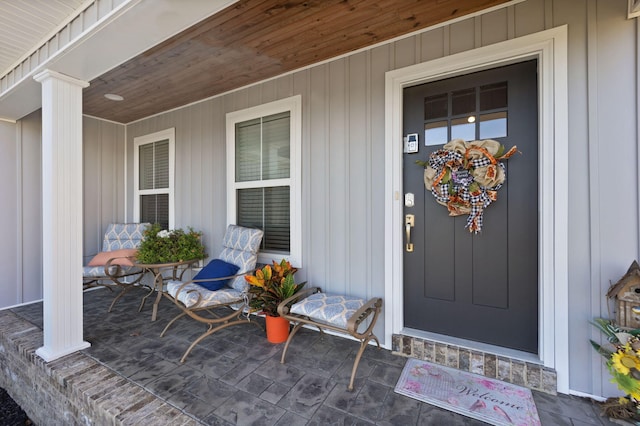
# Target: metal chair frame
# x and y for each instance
(213, 321)
(240, 246)
(114, 275)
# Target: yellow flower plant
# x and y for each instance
(622, 355)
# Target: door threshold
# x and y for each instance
(509, 365)
(473, 345)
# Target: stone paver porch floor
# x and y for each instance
(235, 376)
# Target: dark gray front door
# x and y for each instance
(481, 287)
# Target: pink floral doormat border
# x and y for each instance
(471, 395)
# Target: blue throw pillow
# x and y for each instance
(216, 269)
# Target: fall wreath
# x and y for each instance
(465, 177)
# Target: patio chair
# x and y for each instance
(113, 266)
(344, 314)
(220, 284)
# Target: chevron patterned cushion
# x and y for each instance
(329, 309)
(190, 294)
(240, 247)
(123, 236)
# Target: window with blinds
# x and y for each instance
(153, 186)
(262, 165)
(264, 175)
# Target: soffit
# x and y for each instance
(253, 40)
(25, 24)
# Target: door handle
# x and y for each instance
(409, 222)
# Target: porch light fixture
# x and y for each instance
(471, 119)
(113, 97)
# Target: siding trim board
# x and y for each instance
(19, 215)
(595, 269)
(550, 48)
(637, 105)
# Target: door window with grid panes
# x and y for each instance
(468, 114)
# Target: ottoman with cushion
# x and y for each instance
(344, 314)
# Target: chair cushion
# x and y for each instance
(216, 269)
(123, 235)
(98, 271)
(330, 309)
(192, 291)
(122, 257)
(240, 247)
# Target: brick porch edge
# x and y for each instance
(530, 375)
(75, 389)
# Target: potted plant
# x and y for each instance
(269, 286)
(162, 246)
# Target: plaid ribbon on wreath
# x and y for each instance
(455, 178)
(443, 156)
(479, 202)
(441, 192)
(479, 162)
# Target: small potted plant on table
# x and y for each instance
(168, 246)
(269, 286)
(167, 251)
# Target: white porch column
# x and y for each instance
(61, 214)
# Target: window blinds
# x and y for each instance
(262, 148)
(154, 165)
(262, 154)
(267, 209)
(154, 208)
(154, 176)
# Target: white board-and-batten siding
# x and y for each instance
(343, 161)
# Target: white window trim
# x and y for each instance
(169, 134)
(550, 48)
(294, 106)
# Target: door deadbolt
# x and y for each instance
(409, 199)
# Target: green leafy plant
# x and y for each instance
(163, 246)
(271, 285)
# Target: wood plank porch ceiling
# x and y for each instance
(253, 40)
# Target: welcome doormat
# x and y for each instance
(471, 395)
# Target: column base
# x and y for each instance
(48, 354)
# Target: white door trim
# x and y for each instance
(550, 48)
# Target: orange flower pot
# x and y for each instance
(277, 329)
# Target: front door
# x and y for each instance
(477, 286)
